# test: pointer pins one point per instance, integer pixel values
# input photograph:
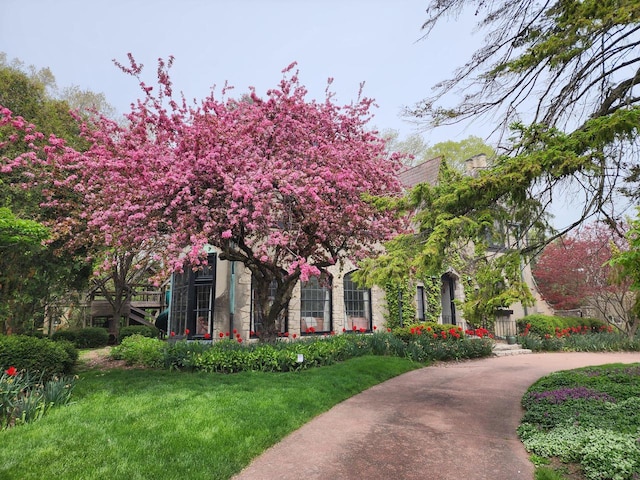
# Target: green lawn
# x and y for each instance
(143, 424)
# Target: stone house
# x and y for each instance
(218, 301)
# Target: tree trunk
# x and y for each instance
(269, 305)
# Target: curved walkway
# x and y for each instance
(444, 422)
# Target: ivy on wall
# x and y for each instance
(401, 290)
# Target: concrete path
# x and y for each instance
(444, 422)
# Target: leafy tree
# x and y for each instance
(563, 75)
(626, 267)
(282, 184)
(574, 271)
(456, 153)
(34, 277)
(412, 146)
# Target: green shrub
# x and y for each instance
(139, 350)
(72, 353)
(144, 330)
(89, 337)
(229, 356)
(38, 356)
(596, 324)
(65, 335)
(92, 337)
(182, 355)
(539, 324)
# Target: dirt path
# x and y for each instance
(98, 358)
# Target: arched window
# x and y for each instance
(357, 305)
(315, 305)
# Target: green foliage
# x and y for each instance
(18, 233)
(498, 284)
(35, 355)
(144, 330)
(92, 337)
(626, 266)
(545, 473)
(65, 335)
(228, 356)
(540, 324)
(399, 294)
(24, 398)
(136, 349)
(587, 416)
(456, 153)
(89, 337)
(33, 276)
(547, 324)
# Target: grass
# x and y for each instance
(143, 424)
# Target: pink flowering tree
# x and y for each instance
(575, 271)
(285, 185)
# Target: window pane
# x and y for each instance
(420, 303)
(357, 305)
(203, 309)
(315, 306)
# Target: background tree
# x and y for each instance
(456, 153)
(575, 272)
(626, 266)
(282, 184)
(563, 76)
(566, 74)
(33, 277)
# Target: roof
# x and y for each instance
(427, 172)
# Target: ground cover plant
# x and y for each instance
(160, 424)
(589, 418)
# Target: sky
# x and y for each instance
(245, 43)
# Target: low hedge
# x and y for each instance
(546, 324)
(39, 356)
(229, 356)
(89, 337)
(142, 330)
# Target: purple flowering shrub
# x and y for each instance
(588, 416)
(575, 393)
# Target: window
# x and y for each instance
(315, 305)
(357, 305)
(420, 303)
(192, 299)
(448, 292)
(179, 301)
(256, 323)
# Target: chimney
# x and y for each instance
(474, 164)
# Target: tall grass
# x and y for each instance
(141, 424)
